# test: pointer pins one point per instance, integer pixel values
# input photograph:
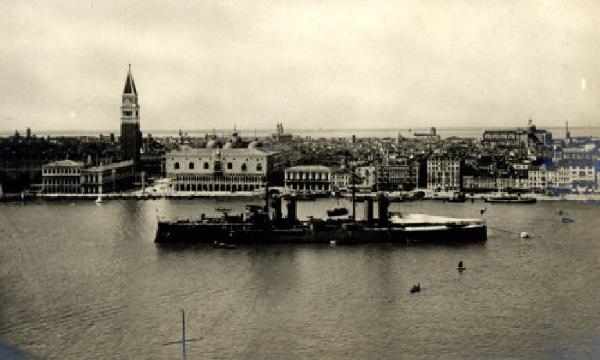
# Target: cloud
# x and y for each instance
(304, 63)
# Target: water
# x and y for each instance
(86, 281)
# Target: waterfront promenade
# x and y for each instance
(161, 193)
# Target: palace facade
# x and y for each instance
(222, 169)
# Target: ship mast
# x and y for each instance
(353, 194)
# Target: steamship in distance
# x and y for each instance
(510, 199)
(265, 224)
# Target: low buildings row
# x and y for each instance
(364, 178)
(444, 174)
(562, 177)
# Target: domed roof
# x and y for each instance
(253, 145)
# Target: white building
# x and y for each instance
(567, 176)
(341, 179)
(73, 177)
(308, 177)
(62, 177)
(444, 174)
(221, 169)
(106, 178)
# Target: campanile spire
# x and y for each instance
(131, 136)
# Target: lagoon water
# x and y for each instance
(85, 281)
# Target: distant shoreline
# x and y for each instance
(298, 132)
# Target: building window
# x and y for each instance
(191, 166)
(229, 166)
(244, 168)
(259, 167)
(205, 165)
(176, 166)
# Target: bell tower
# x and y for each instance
(131, 136)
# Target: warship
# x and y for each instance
(266, 224)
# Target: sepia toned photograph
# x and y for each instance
(299, 179)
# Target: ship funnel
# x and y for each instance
(276, 209)
(267, 197)
(383, 203)
(368, 206)
(291, 210)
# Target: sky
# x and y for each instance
(307, 64)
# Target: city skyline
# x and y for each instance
(308, 65)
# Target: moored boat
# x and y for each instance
(341, 211)
(510, 199)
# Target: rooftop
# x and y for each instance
(115, 165)
(223, 151)
(309, 168)
(65, 163)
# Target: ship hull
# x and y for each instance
(173, 232)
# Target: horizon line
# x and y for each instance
(300, 129)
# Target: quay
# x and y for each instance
(190, 195)
(127, 196)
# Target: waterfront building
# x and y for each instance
(308, 177)
(470, 183)
(74, 177)
(367, 178)
(485, 183)
(222, 169)
(565, 177)
(520, 183)
(107, 178)
(62, 177)
(539, 177)
(444, 174)
(519, 175)
(582, 177)
(131, 136)
(341, 179)
(395, 177)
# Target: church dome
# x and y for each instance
(253, 145)
(212, 144)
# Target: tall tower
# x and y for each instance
(131, 136)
